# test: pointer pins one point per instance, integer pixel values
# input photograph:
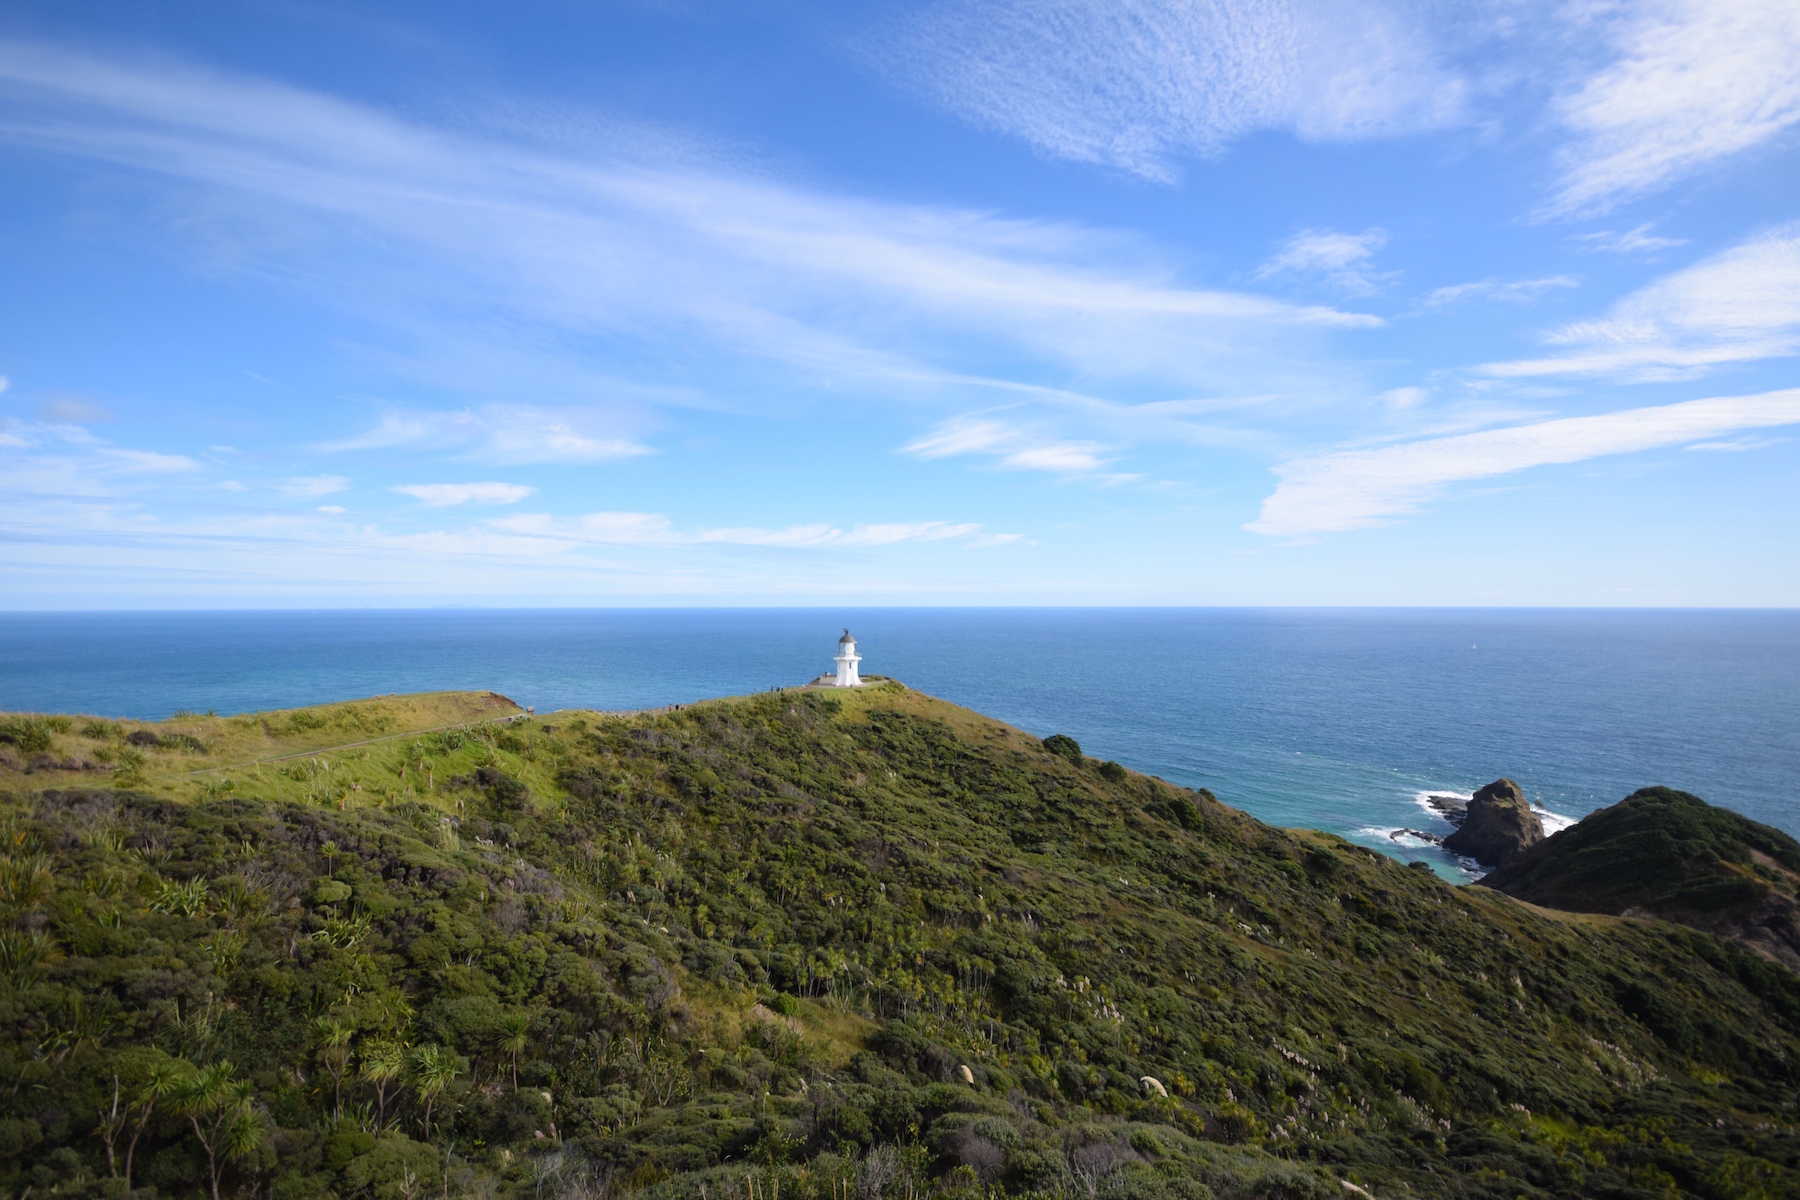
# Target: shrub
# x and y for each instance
(1651, 1005)
(1064, 746)
(29, 734)
(506, 793)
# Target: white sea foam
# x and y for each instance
(1423, 800)
(1553, 822)
(1397, 837)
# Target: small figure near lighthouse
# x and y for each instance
(847, 658)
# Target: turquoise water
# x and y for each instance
(1333, 719)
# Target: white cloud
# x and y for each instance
(147, 460)
(1135, 84)
(1057, 456)
(54, 464)
(1015, 448)
(1342, 259)
(310, 487)
(536, 249)
(655, 529)
(259, 555)
(1738, 306)
(1735, 445)
(333, 509)
(1693, 82)
(1507, 291)
(510, 434)
(441, 495)
(52, 441)
(1353, 489)
(1631, 241)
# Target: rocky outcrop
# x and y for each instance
(1498, 827)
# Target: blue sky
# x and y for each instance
(1022, 301)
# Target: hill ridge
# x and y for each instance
(866, 942)
(1668, 854)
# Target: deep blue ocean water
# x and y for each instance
(1333, 719)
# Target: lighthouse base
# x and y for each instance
(831, 681)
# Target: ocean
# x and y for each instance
(1343, 720)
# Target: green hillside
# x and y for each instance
(807, 944)
(1669, 854)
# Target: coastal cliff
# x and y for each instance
(812, 943)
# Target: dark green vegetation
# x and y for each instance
(1664, 853)
(818, 945)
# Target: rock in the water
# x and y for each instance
(1499, 826)
(1452, 808)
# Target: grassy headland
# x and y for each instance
(1668, 854)
(813, 943)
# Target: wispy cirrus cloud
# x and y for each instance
(1013, 447)
(1138, 84)
(1692, 82)
(126, 460)
(61, 468)
(311, 487)
(444, 495)
(1630, 241)
(655, 529)
(1736, 445)
(1738, 306)
(1344, 260)
(1354, 489)
(1644, 92)
(1505, 291)
(467, 236)
(511, 434)
(49, 446)
(267, 554)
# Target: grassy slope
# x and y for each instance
(767, 935)
(258, 750)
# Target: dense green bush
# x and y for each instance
(828, 949)
(30, 734)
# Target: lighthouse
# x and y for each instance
(847, 658)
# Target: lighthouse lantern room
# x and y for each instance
(847, 658)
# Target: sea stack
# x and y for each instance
(1499, 826)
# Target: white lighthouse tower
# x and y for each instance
(847, 658)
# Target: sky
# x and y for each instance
(319, 304)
